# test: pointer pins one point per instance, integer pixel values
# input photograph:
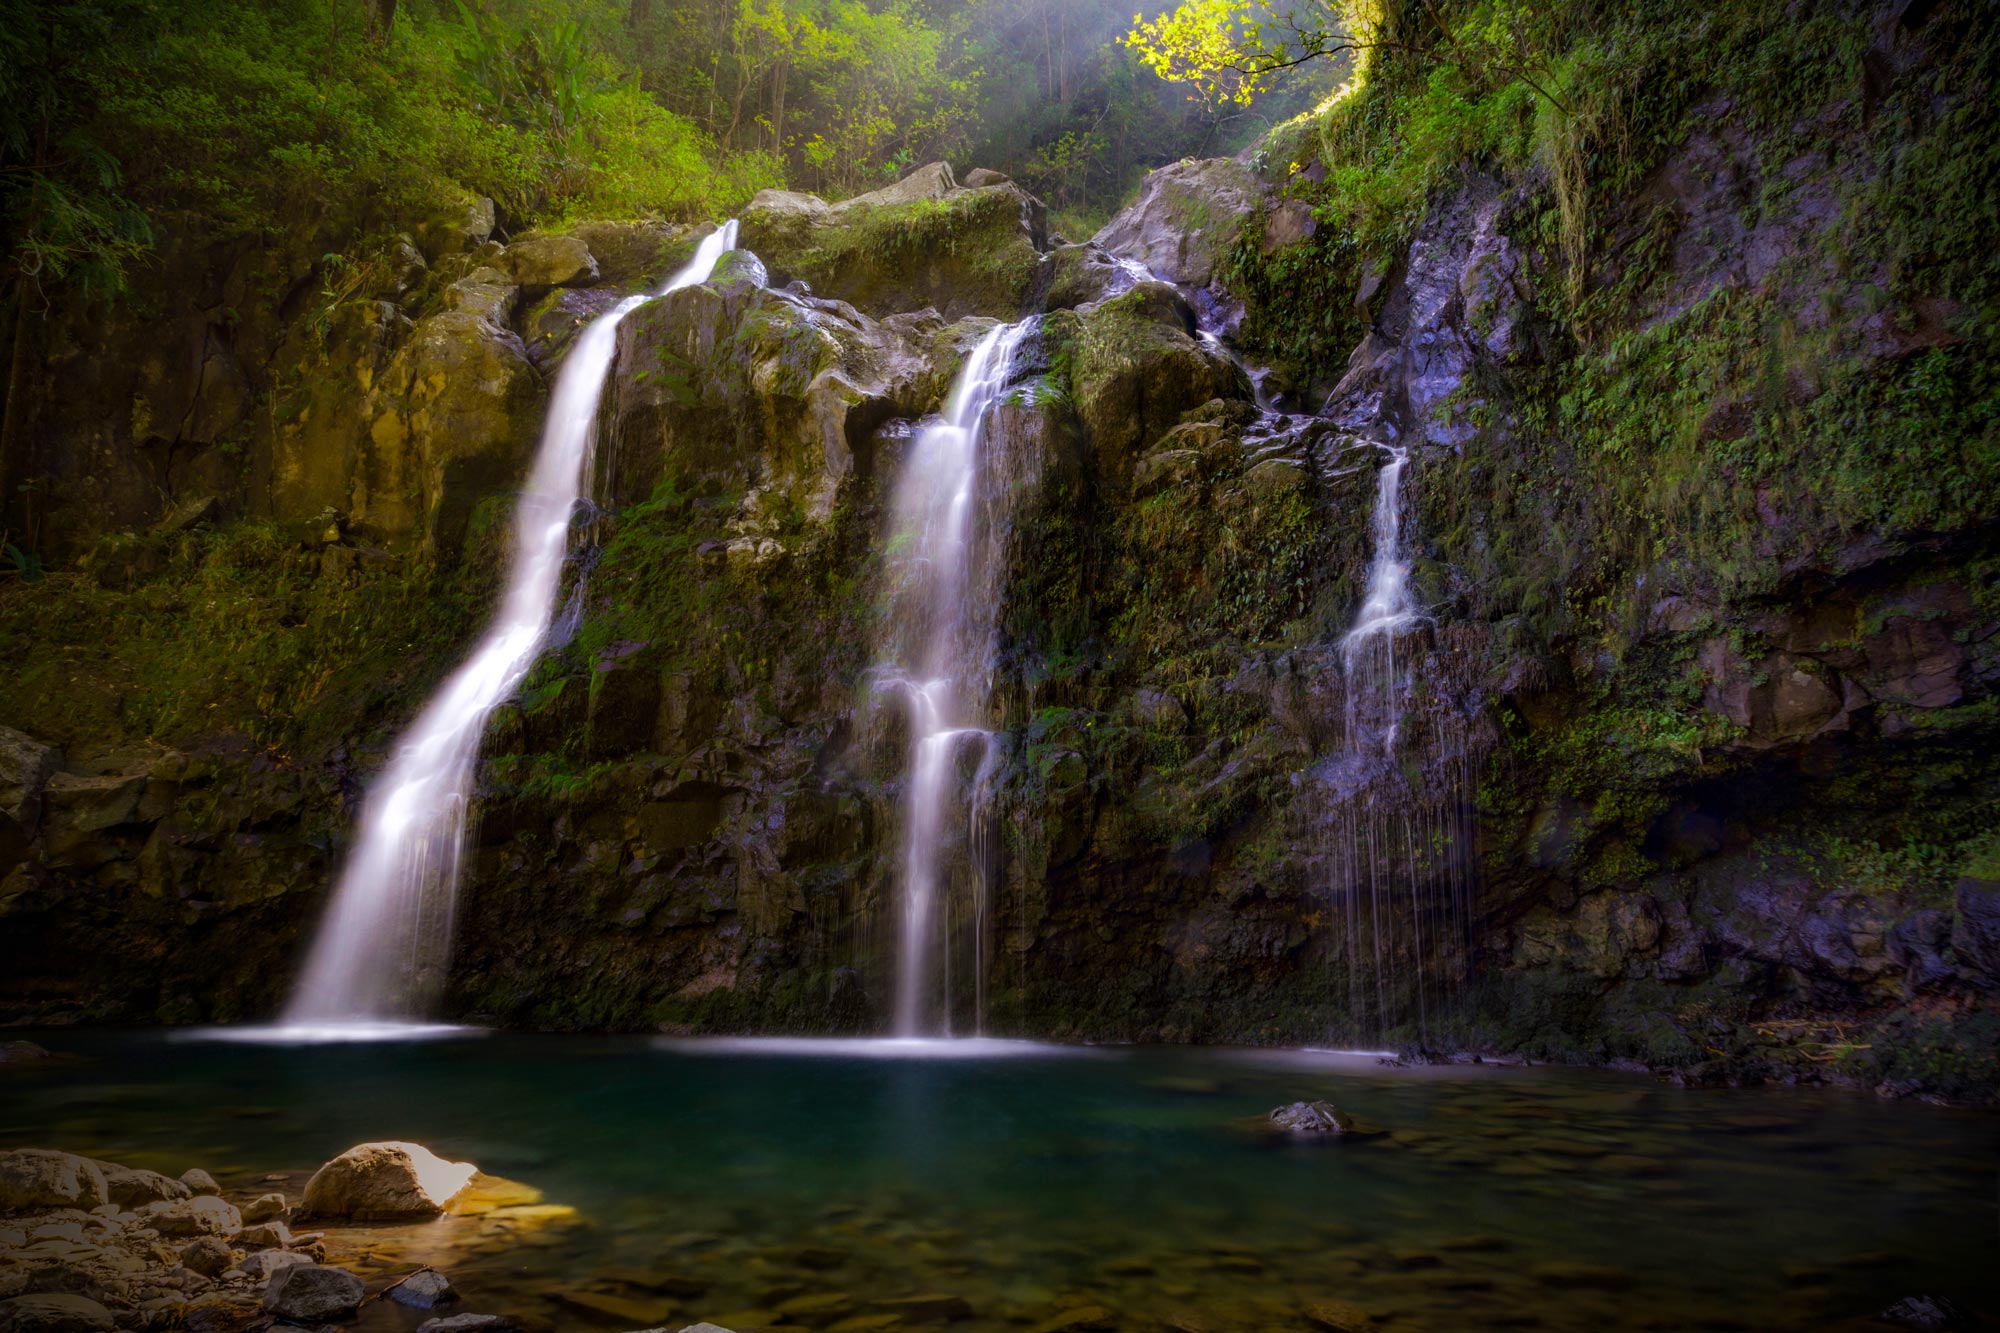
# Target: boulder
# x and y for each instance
(199, 1181)
(32, 1178)
(425, 1289)
(207, 1256)
(265, 1208)
(22, 1052)
(980, 177)
(1186, 218)
(384, 1181)
(484, 292)
(54, 1314)
(1136, 370)
(310, 1293)
(541, 262)
(924, 241)
(133, 1188)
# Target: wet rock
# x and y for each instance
(204, 1215)
(32, 1178)
(265, 1208)
(265, 1236)
(1928, 1313)
(1081, 1319)
(924, 241)
(1311, 1118)
(1186, 218)
(549, 261)
(1976, 936)
(312, 1292)
(1136, 370)
(207, 1256)
(54, 1314)
(266, 1264)
(24, 1053)
(425, 1290)
(384, 1181)
(132, 1188)
(26, 765)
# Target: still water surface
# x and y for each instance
(817, 1185)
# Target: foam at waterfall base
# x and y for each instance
(874, 1048)
(326, 1034)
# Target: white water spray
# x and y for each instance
(946, 657)
(382, 949)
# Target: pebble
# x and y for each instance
(199, 1181)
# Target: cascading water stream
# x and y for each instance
(382, 948)
(1368, 652)
(939, 642)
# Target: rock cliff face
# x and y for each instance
(1694, 837)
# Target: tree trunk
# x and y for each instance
(381, 18)
(18, 501)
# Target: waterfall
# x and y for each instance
(382, 949)
(1373, 689)
(938, 645)
(1396, 821)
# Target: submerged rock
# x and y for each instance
(32, 1178)
(53, 1314)
(1312, 1118)
(470, 1323)
(384, 1181)
(310, 1291)
(423, 1290)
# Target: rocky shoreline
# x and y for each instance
(88, 1245)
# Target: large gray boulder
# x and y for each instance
(310, 1292)
(32, 1178)
(384, 1181)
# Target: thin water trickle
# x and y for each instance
(382, 948)
(939, 636)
